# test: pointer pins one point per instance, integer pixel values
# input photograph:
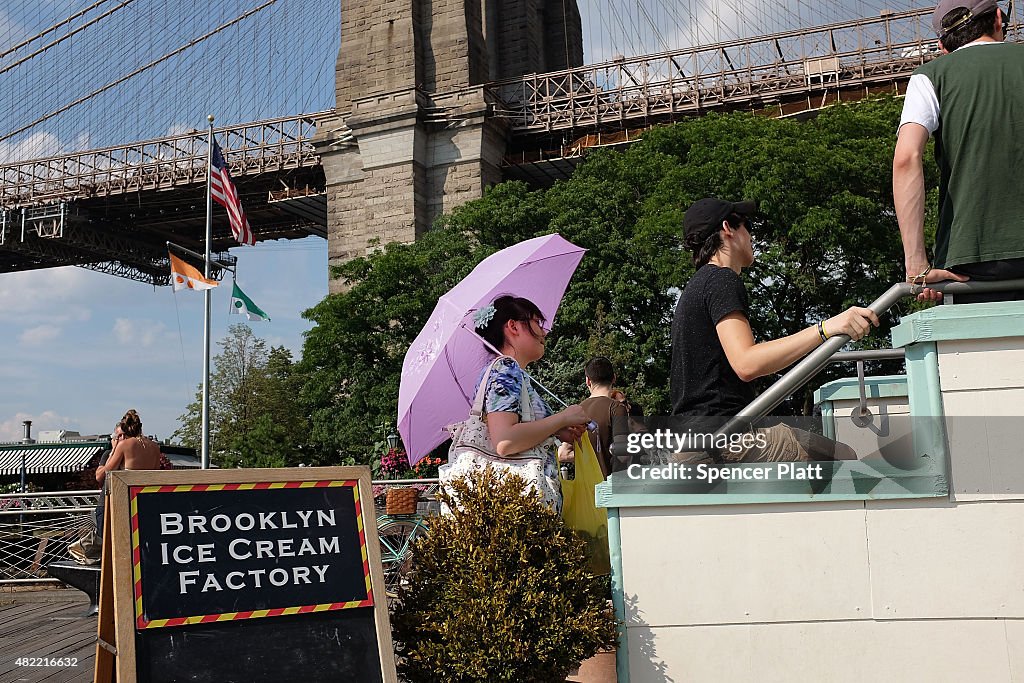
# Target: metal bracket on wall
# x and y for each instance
(863, 416)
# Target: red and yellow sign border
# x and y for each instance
(142, 623)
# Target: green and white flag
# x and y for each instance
(240, 303)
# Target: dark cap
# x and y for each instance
(704, 217)
(973, 7)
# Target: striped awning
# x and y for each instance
(184, 462)
(48, 458)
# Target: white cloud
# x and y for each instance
(98, 368)
(39, 144)
(142, 333)
(180, 129)
(43, 292)
(12, 429)
(39, 335)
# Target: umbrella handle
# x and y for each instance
(590, 425)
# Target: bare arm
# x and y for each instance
(510, 436)
(908, 194)
(750, 361)
(113, 462)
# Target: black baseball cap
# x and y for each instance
(704, 217)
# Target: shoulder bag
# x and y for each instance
(472, 449)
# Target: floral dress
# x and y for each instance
(504, 395)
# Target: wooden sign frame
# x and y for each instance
(117, 624)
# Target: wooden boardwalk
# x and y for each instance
(46, 623)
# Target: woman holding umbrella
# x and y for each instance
(516, 327)
(510, 427)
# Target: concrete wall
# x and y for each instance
(412, 137)
(856, 591)
(983, 387)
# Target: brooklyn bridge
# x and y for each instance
(432, 102)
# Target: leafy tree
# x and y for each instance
(828, 240)
(255, 420)
(352, 357)
(267, 443)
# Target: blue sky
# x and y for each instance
(79, 348)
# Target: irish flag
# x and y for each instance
(240, 303)
(184, 276)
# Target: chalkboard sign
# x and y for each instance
(248, 575)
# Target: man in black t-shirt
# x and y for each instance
(703, 381)
(714, 356)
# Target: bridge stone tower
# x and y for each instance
(412, 136)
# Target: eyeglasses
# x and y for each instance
(542, 324)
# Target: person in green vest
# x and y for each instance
(971, 98)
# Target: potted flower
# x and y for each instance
(427, 468)
(394, 464)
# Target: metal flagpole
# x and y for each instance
(206, 314)
(196, 255)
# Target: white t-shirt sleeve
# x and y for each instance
(921, 105)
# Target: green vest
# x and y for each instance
(979, 146)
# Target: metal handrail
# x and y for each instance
(50, 494)
(867, 355)
(404, 482)
(53, 518)
(817, 359)
(92, 493)
(20, 504)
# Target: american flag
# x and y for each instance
(225, 194)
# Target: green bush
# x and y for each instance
(499, 591)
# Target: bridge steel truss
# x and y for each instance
(75, 209)
(161, 164)
(770, 70)
(113, 209)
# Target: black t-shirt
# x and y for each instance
(703, 382)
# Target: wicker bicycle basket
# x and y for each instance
(402, 501)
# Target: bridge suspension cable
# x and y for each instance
(277, 62)
(639, 27)
(51, 29)
(654, 26)
(64, 37)
(136, 72)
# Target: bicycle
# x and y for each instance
(396, 534)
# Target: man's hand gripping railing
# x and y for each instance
(817, 359)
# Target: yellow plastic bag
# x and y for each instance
(578, 508)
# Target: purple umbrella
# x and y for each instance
(445, 360)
